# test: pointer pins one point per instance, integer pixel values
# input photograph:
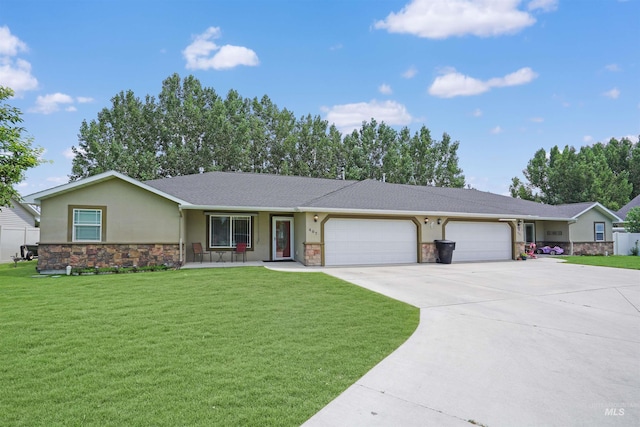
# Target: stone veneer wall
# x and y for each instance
(313, 254)
(519, 247)
(582, 248)
(58, 256)
(591, 248)
(429, 252)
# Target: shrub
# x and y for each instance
(633, 220)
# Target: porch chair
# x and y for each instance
(241, 248)
(199, 252)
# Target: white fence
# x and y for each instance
(623, 242)
(11, 238)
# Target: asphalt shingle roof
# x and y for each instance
(250, 190)
(242, 189)
(622, 213)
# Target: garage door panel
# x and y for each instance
(480, 241)
(351, 241)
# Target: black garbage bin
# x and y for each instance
(445, 250)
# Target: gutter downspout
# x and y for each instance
(180, 243)
(570, 223)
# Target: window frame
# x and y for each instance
(596, 232)
(231, 218)
(72, 235)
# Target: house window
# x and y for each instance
(529, 233)
(87, 225)
(599, 231)
(226, 231)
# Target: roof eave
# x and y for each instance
(598, 205)
(430, 213)
(236, 208)
(35, 198)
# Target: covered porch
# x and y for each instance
(267, 236)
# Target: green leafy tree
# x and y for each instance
(180, 135)
(633, 220)
(190, 128)
(602, 173)
(17, 154)
(120, 139)
(634, 169)
(447, 172)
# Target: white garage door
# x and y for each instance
(480, 241)
(369, 241)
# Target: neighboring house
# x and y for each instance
(622, 213)
(17, 228)
(110, 219)
(624, 242)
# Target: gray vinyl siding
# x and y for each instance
(16, 216)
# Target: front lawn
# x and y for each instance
(617, 261)
(227, 346)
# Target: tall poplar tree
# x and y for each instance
(190, 128)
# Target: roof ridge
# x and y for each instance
(457, 198)
(308, 202)
(270, 174)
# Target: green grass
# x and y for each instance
(237, 346)
(616, 261)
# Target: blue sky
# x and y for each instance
(503, 77)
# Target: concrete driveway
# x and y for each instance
(503, 344)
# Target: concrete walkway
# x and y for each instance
(502, 344)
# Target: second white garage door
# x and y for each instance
(480, 241)
(369, 241)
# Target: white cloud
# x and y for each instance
(456, 84)
(613, 93)
(537, 119)
(520, 77)
(68, 154)
(477, 113)
(336, 47)
(348, 117)
(17, 75)
(385, 89)
(51, 103)
(633, 138)
(14, 72)
(57, 179)
(587, 138)
(410, 73)
(496, 130)
(544, 5)
(232, 56)
(612, 67)
(453, 83)
(10, 45)
(439, 19)
(204, 54)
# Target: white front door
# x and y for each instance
(282, 246)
